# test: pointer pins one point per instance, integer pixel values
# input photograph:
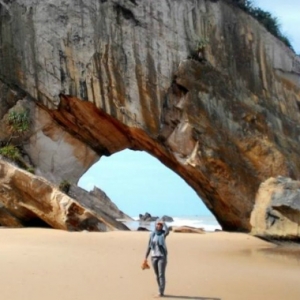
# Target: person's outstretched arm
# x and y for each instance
(166, 228)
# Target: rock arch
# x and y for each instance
(115, 75)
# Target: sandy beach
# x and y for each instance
(45, 264)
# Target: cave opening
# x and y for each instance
(36, 223)
(138, 183)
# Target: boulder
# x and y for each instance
(276, 214)
(140, 228)
(27, 199)
(167, 219)
(147, 217)
(187, 229)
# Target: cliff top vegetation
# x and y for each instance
(270, 22)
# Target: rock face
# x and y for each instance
(276, 214)
(26, 199)
(115, 75)
(55, 153)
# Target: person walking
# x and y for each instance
(157, 247)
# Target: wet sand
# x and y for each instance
(45, 264)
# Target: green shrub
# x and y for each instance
(246, 5)
(64, 186)
(201, 44)
(14, 154)
(30, 170)
(286, 41)
(18, 121)
(199, 52)
(11, 152)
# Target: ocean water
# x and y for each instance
(208, 223)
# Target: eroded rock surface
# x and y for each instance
(115, 75)
(26, 199)
(276, 214)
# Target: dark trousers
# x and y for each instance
(159, 264)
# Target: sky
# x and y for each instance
(137, 182)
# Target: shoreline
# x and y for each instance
(207, 223)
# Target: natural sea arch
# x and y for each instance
(137, 183)
(223, 190)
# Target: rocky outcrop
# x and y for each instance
(116, 75)
(167, 218)
(276, 214)
(26, 199)
(188, 229)
(147, 217)
(98, 202)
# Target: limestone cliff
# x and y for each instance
(123, 74)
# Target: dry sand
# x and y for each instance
(45, 264)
